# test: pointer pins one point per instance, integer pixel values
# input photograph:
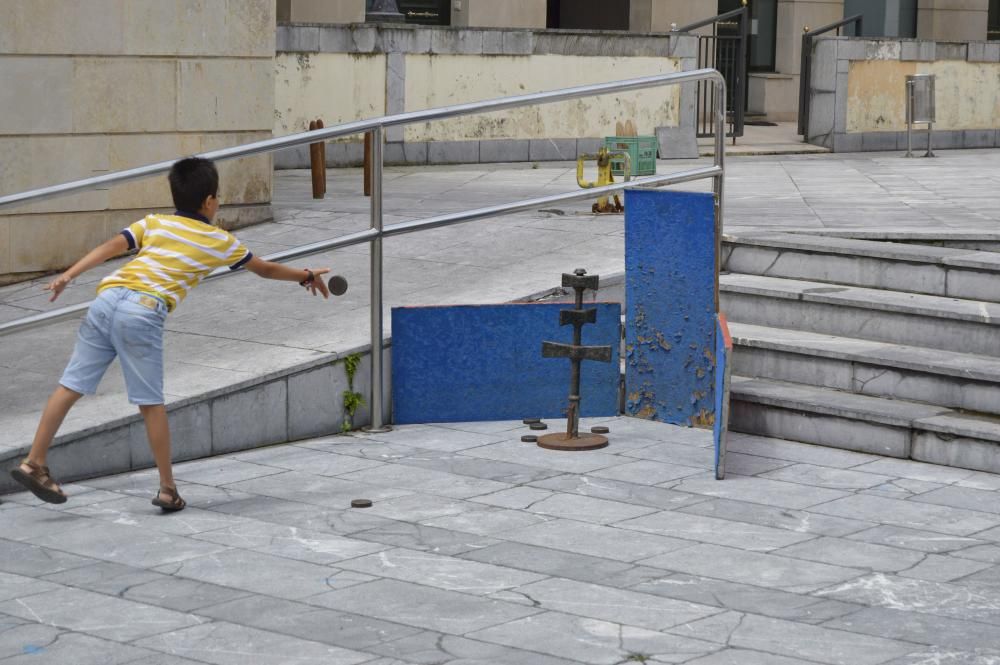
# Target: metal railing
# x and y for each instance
(729, 54)
(805, 65)
(377, 231)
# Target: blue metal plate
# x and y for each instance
(484, 362)
(670, 299)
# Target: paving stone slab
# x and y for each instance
(107, 617)
(759, 490)
(853, 553)
(798, 452)
(427, 481)
(462, 465)
(78, 649)
(596, 540)
(406, 603)
(290, 542)
(746, 657)
(425, 538)
(432, 648)
(954, 602)
(909, 514)
(562, 564)
(442, 572)
(942, 656)
(227, 644)
(741, 535)
(747, 598)
(963, 497)
(919, 629)
(113, 579)
(350, 631)
(921, 541)
(275, 576)
(626, 607)
(18, 637)
(33, 560)
(306, 516)
(938, 568)
(488, 521)
(766, 570)
(799, 521)
(815, 643)
(586, 640)
(139, 512)
(294, 458)
(616, 490)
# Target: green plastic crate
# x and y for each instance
(642, 150)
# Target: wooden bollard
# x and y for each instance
(368, 164)
(316, 165)
(322, 153)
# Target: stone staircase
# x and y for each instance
(882, 347)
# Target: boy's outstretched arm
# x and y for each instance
(312, 279)
(95, 257)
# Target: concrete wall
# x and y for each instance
(952, 20)
(111, 84)
(503, 14)
(344, 73)
(658, 15)
(857, 100)
(321, 11)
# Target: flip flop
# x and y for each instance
(40, 482)
(176, 502)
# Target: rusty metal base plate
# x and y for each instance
(561, 441)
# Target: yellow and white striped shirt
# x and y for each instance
(175, 253)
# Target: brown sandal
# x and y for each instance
(176, 502)
(39, 481)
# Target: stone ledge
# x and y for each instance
(964, 366)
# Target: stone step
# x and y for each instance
(933, 270)
(935, 322)
(946, 378)
(895, 428)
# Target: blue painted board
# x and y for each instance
(723, 368)
(670, 298)
(484, 362)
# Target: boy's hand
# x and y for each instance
(317, 283)
(57, 285)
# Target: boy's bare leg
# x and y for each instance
(158, 433)
(59, 404)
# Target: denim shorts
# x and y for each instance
(127, 324)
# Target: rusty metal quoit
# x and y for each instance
(580, 281)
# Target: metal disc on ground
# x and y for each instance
(538, 426)
(600, 429)
(561, 441)
(530, 421)
(529, 438)
(361, 503)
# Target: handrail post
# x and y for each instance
(376, 425)
(718, 181)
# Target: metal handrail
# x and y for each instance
(378, 231)
(805, 65)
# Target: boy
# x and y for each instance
(175, 252)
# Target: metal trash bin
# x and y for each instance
(919, 109)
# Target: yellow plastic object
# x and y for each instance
(604, 177)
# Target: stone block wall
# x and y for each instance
(342, 73)
(104, 85)
(858, 98)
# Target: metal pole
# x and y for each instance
(718, 181)
(376, 286)
(909, 119)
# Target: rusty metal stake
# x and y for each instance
(577, 353)
(322, 154)
(316, 151)
(368, 163)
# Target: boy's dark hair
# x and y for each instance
(192, 180)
